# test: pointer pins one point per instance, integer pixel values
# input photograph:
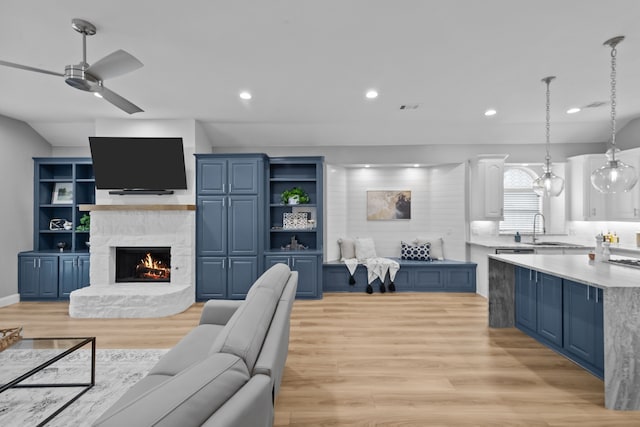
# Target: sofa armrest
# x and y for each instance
(218, 312)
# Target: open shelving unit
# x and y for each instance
(70, 174)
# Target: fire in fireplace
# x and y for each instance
(143, 264)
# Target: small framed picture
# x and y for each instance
(62, 193)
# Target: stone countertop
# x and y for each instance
(509, 243)
(577, 268)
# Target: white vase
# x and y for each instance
(294, 200)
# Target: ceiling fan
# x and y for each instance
(90, 78)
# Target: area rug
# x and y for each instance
(116, 371)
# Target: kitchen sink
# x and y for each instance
(551, 244)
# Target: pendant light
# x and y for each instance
(615, 176)
(548, 184)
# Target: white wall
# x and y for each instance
(19, 144)
(437, 207)
(336, 214)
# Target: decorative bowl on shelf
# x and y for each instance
(61, 246)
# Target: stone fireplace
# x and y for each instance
(167, 234)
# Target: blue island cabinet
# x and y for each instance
(583, 325)
(538, 305)
(229, 223)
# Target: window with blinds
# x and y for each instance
(520, 202)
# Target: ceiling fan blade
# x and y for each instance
(119, 101)
(26, 67)
(113, 65)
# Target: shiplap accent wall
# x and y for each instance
(437, 207)
(336, 210)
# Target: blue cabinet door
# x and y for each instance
(526, 313)
(241, 273)
(211, 226)
(307, 268)
(73, 274)
(28, 276)
(549, 308)
(579, 320)
(243, 176)
(429, 279)
(48, 277)
(599, 330)
(212, 177)
(211, 277)
(243, 225)
(460, 279)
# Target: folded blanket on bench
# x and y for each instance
(377, 268)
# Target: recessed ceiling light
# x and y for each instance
(97, 94)
(367, 166)
(573, 110)
(416, 165)
(245, 95)
(371, 94)
(490, 112)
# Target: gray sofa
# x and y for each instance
(225, 372)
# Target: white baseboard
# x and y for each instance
(8, 300)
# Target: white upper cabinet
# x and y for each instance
(486, 187)
(626, 206)
(586, 203)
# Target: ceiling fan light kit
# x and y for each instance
(90, 78)
(615, 176)
(548, 184)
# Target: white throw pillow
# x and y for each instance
(436, 246)
(347, 248)
(365, 249)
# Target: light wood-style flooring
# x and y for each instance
(405, 359)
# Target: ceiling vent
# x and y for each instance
(410, 106)
(596, 104)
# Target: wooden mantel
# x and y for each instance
(137, 207)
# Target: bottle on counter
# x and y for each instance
(599, 243)
(606, 253)
(517, 237)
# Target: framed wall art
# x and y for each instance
(62, 193)
(388, 205)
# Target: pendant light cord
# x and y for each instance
(613, 101)
(547, 159)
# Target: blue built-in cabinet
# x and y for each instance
(306, 173)
(230, 193)
(562, 314)
(60, 186)
(239, 225)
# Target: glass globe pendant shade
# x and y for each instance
(548, 185)
(614, 177)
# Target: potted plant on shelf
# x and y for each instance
(294, 196)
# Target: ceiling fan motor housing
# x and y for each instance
(77, 77)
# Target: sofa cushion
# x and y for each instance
(192, 348)
(347, 248)
(187, 399)
(274, 278)
(414, 252)
(436, 244)
(244, 334)
(365, 248)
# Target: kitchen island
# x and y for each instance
(610, 309)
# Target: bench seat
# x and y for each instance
(413, 276)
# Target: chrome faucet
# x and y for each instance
(544, 229)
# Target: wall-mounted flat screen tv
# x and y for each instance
(137, 165)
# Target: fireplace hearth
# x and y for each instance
(143, 264)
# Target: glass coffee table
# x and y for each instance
(30, 356)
